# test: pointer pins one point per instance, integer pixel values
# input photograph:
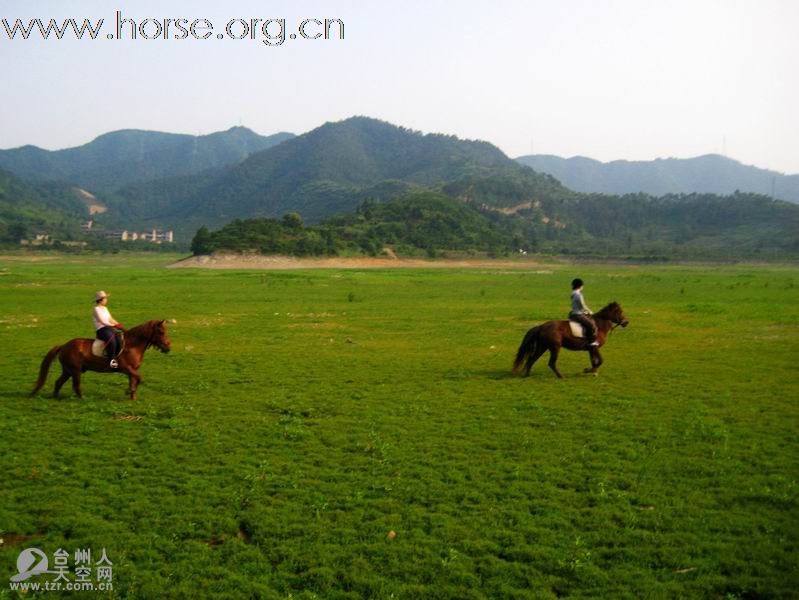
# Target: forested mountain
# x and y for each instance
(122, 157)
(640, 226)
(370, 184)
(685, 225)
(711, 173)
(26, 209)
(332, 169)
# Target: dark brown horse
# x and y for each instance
(554, 335)
(76, 357)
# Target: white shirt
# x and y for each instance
(102, 317)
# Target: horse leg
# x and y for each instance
(134, 379)
(531, 360)
(65, 374)
(596, 360)
(76, 382)
(553, 360)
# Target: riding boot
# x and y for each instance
(590, 332)
(112, 344)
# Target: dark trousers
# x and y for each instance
(109, 336)
(588, 325)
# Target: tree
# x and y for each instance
(202, 242)
(366, 208)
(292, 220)
(17, 231)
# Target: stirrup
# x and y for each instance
(594, 343)
(113, 364)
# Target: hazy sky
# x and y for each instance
(608, 79)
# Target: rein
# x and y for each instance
(150, 339)
(613, 324)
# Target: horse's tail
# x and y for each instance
(45, 368)
(526, 348)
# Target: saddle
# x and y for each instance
(577, 329)
(99, 346)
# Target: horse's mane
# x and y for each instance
(608, 310)
(142, 332)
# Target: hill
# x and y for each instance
(711, 173)
(332, 169)
(122, 157)
(680, 226)
(26, 209)
(370, 184)
(421, 222)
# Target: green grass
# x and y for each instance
(303, 415)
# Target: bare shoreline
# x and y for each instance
(237, 261)
(255, 261)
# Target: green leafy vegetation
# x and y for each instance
(686, 227)
(420, 222)
(303, 416)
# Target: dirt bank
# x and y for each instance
(238, 261)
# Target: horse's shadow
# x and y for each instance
(498, 374)
(505, 375)
(15, 395)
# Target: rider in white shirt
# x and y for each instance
(105, 325)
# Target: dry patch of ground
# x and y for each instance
(254, 261)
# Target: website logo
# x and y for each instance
(30, 562)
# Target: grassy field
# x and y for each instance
(302, 416)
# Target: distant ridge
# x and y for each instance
(371, 184)
(331, 170)
(115, 159)
(711, 173)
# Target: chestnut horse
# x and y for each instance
(76, 357)
(554, 335)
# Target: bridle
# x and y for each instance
(150, 340)
(614, 324)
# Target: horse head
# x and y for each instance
(613, 312)
(159, 337)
